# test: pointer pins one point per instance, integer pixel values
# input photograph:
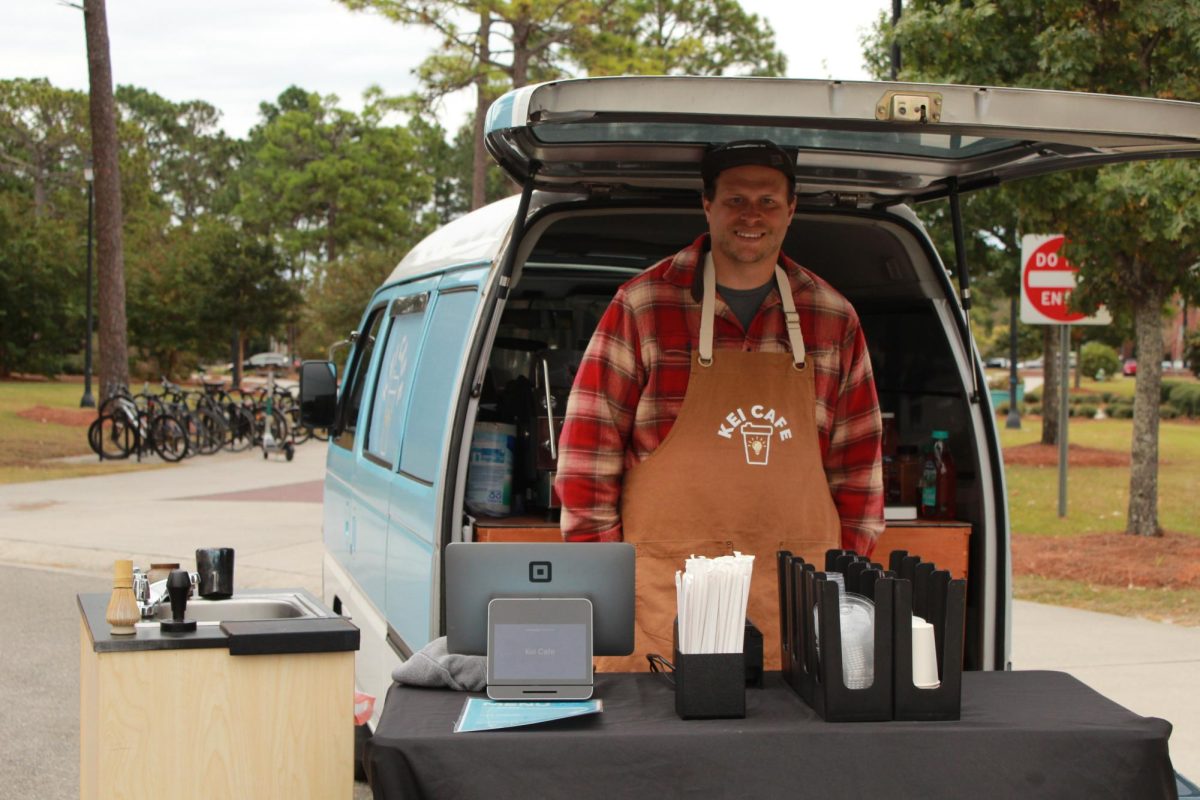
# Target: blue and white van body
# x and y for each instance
(610, 172)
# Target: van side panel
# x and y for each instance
(385, 409)
(416, 488)
(340, 523)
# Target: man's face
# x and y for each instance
(748, 216)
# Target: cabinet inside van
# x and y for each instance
(452, 392)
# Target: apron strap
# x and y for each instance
(795, 337)
(708, 314)
(708, 310)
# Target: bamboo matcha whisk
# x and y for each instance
(122, 613)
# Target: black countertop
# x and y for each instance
(249, 637)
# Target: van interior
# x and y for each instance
(572, 262)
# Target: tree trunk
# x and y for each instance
(110, 257)
(1143, 471)
(1050, 384)
(482, 100)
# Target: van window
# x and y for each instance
(441, 359)
(357, 378)
(390, 400)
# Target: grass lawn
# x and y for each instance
(1180, 606)
(1098, 497)
(1097, 502)
(29, 448)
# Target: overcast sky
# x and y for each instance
(236, 54)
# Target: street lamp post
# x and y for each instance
(87, 401)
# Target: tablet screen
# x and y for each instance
(535, 652)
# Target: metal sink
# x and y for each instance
(261, 605)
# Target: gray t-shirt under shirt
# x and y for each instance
(744, 303)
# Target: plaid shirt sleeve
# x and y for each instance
(852, 459)
(597, 428)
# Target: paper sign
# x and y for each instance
(481, 714)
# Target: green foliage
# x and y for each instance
(1084, 410)
(679, 37)
(1191, 354)
(335, 299)
(1034, 396)
(319, 179)
(1184, 398)
(189, 159)
(41, 270)
(1095, 356)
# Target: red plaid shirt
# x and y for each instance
(631, 384)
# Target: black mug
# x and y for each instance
(214, 569)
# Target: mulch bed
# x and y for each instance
(1037, 454)
(74, 417)
(1170, 561)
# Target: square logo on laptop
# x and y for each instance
(539, 571)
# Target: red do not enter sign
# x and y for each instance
(1047, 280)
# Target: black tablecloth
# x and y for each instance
(1022, 734)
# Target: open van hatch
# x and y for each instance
(878, 142)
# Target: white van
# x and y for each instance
(476, 332)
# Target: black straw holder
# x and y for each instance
(709, 685)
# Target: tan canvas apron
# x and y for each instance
(741, 469)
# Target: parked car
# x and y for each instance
(997, 363)
(501, 301)
(265, 360)
(1129, 368)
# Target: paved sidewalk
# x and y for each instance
(268, 510)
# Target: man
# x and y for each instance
(725, 402)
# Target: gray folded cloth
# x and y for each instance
(433, 666)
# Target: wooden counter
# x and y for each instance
(197, 722)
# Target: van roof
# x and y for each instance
(470, 240)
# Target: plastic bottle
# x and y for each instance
(939, 479)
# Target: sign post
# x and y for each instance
(1047, 280)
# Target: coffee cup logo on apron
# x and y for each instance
(757, 429)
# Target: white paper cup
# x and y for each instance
(924, 655)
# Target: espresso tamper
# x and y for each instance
(178, 584)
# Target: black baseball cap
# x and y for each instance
(758, 152)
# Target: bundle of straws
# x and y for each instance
(711, 596)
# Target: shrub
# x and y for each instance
(1086, 410)
(1167, 411)
(1107, 397)
(1002, 410)
(1164, 390)
(1185, 399)
(1121, 412)
(1034, 408)
(1096, 356)
(1034, 396)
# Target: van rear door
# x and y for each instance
(873, 143)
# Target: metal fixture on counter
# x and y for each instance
(150, 596)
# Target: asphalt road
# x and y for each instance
(39, 682)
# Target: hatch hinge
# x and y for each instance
(902, 106)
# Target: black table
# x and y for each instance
(1022, 734)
